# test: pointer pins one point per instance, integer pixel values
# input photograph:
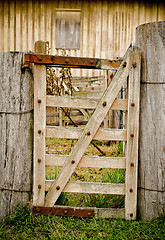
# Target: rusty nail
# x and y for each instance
(91, 61)
(66, 211)
(39, 186)
(88, 133)
(132, 104)
(131, 214)
(39, 160)
(124, 64)
(58, 188)
(73, 161)
(132, 164)
(104, 104)
(39, 131)
(131, 190)
(134, 64)
(66, 60)
(132, 135)
(89, 213)
(39, 100)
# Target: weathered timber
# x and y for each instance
(75, 133)
(151, 181)
(87, 161)
(16, 132)
(77, 102)
(91, 187)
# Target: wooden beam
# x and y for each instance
(91, 187)
(90, 130)
(39, 135)
(78, 62)
(87, 161)
(132, 136)
(87, 103)
(76, 132)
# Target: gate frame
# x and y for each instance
(131, 64)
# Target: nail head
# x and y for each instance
(39, 186)
(39, 131)
(58, 187)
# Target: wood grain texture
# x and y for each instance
(151, 180)
(132, 137)
(16, 132)
(91, 187)
(88, 103)
(75, 133)
(87, 161)
(39, 134)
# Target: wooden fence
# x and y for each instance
(17, 123)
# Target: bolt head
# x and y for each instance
(131, 135)
(39, 131)
(39, 100)
(73, 161)
(124, 64)
(132, 104)
(39, 186)
(131, 190)
(65, 211)
(104, 104)
(39, 160)
(67, 60)
(134, 64)
(132, 164)
(88, 133)
(58, 187)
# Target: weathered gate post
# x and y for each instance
(151, 182)
(16, 132)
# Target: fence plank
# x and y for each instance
(90, 130)
(91, 187)
(87, 161)
(39, 135)
(88, 103)
(75, 133)
(132, 137)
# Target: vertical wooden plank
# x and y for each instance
(39, 135)
(18, 26)
(6, 26)
(11, 26)
(132, 137)
(42, 21)
(161, 11)
(1, 26)
(36, 21)
(30, 35)
(24, 26)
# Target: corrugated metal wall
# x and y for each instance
(107, 27)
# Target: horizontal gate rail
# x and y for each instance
(87, 103)
(75, 133)
(87, 161)
(78, 62)
(91, 187)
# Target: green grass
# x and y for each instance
(22, 225)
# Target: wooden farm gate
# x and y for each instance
(127, 70)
